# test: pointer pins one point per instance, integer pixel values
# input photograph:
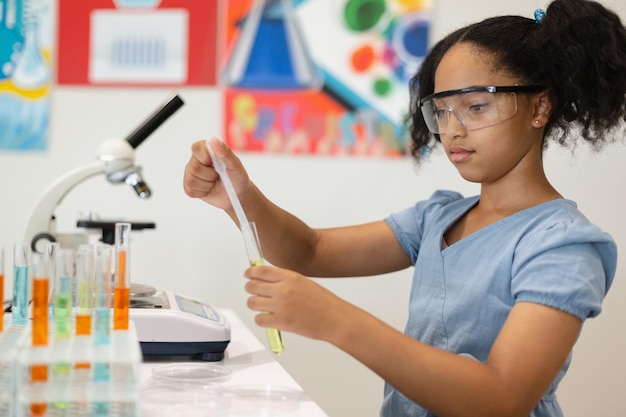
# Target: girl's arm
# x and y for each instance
(286, 241)
(525, 358)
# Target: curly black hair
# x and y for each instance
(578, 51)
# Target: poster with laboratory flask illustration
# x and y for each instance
(26, 37)
(325, 77)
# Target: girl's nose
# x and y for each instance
(455, 127)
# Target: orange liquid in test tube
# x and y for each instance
(121, 270)
(83, 324)
(121, 295)
(38, 373)
(40, 311)
(121, 304)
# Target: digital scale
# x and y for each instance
(169, 324)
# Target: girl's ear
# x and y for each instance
(543, 107)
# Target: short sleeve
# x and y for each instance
(568, 265)
(409, 224)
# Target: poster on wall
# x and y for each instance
(137, 42)
(26, 37)
(324, 77)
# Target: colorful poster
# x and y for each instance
(26, 36)
(326, 77)
(137, 42)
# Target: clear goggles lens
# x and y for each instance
(472, 110)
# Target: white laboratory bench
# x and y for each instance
(250, 362)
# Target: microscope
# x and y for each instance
(167, 324)
(116, 160)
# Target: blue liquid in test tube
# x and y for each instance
(19, 307)
(103, 293)
(103, 290)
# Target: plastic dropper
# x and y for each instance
(250, 238)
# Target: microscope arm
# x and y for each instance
(41, 218)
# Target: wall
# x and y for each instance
(195, 250)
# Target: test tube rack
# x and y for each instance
(83, 379)
(11, 341)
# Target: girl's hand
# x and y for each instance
(292, 302)
(201, 180)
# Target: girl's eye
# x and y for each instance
(478, 108)
(440, 112)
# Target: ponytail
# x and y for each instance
(582, 50)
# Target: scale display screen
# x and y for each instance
(195, 307)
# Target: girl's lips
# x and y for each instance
(459, 154)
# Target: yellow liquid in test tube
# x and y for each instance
(274, 336)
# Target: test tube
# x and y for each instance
(2, 288)
(59, 366)
(41, 268)
(255, 257)
(84, 289)
(103, 274)
(19, 307)
(64, 270)
(52, 248)
(121, 297)
(61, 303)
(41, 264)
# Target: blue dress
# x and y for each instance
(461, 295)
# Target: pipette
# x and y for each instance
(250, 238)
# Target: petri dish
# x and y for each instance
(262, 399)
(174, 402)
(186, 375)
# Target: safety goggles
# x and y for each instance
(473, 107)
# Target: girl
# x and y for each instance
(504, 280)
